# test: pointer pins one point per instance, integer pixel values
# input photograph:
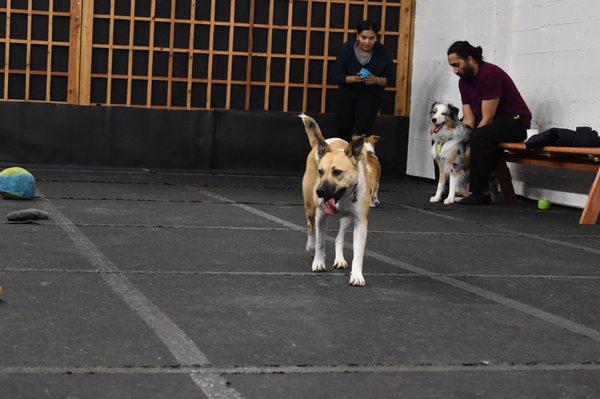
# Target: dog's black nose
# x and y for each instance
(320, 192)
(434, 120)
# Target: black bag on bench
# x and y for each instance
(583, 136)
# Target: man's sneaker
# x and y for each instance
(476, 199)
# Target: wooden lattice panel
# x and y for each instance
(192, 54)
(34, 50)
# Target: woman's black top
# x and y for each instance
(381, 65)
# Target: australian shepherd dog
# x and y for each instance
(450, 150)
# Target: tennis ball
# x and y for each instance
(544, 204)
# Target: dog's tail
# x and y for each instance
(312, 130)
(370, 142)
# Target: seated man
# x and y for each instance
(492, 107)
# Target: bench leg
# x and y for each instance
(505, 180)
(592, 206)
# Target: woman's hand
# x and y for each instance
(371, 80)
(375, 80)
(354, 79)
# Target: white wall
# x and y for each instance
(550, 48)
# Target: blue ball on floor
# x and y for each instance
(17, 183)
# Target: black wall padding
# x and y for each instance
(261, 141)
(249, 141)
(276, 141)
(104, 136)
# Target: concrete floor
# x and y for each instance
(185, 285)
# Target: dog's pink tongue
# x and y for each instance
(434, 128)
(330, 208)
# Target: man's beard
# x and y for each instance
(468, 73)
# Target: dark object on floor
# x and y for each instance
(581, 137)
(26, 215)
(476, 199)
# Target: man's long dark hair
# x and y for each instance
(464, 49)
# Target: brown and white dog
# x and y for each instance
(373, 164)
(450, 151)
(340, 180)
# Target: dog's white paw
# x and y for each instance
(318, 265)
(340, 264)
(310, 244)
(435, 198)
(448, 201)
(357, 279)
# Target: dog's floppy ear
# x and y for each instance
(433, 105)
(453, 112)
(322, 147)
(354, 149)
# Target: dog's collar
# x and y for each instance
(354, 197)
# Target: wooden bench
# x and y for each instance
(578, 158)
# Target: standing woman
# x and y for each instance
(362, 69)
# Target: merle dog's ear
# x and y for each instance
(433, 105)
(453, 112)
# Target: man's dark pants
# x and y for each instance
(484, 148)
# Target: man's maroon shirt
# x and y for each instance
(492, 82)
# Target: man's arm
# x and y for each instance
(468, 116)
(488, 111)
